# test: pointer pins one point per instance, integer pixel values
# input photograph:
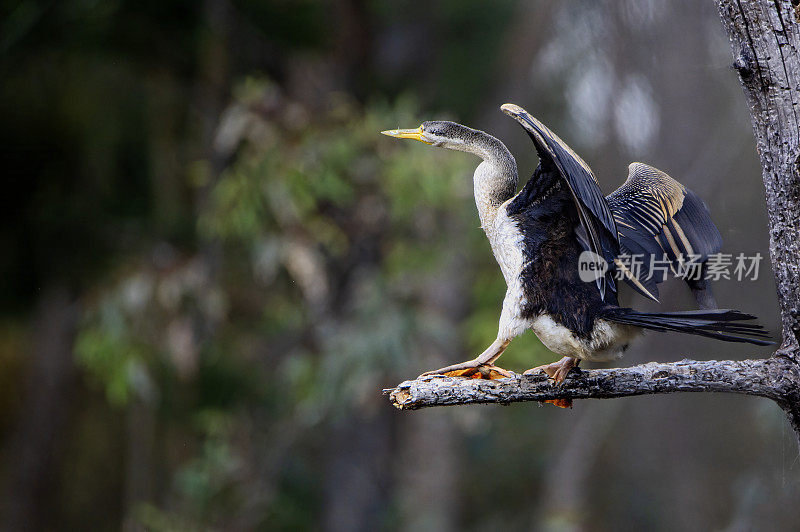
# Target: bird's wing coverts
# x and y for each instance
(656, 217)
(598, 228)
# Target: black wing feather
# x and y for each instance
(597, 222)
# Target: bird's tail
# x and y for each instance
(722, 324)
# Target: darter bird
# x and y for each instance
(543, 233)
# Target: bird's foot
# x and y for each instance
(471, 370)
(557, 371)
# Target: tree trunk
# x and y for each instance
(765, 38)
(32, 445)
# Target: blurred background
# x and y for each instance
(212, 263)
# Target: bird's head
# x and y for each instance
(495, 178)
(438, 133)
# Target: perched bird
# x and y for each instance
(541, 235)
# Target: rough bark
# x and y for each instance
(774, 378)
(765, 38)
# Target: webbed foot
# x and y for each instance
(472, 369)
(557, 371)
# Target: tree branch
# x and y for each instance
(774, 378)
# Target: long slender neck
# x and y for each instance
(495, 179)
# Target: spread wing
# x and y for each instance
(658, 217)
(598, 229)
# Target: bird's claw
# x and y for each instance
(534, 371)
(557, 371)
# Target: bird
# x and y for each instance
(548, 234)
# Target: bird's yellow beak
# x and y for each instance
(415, 134)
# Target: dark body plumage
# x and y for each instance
(547, 217)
